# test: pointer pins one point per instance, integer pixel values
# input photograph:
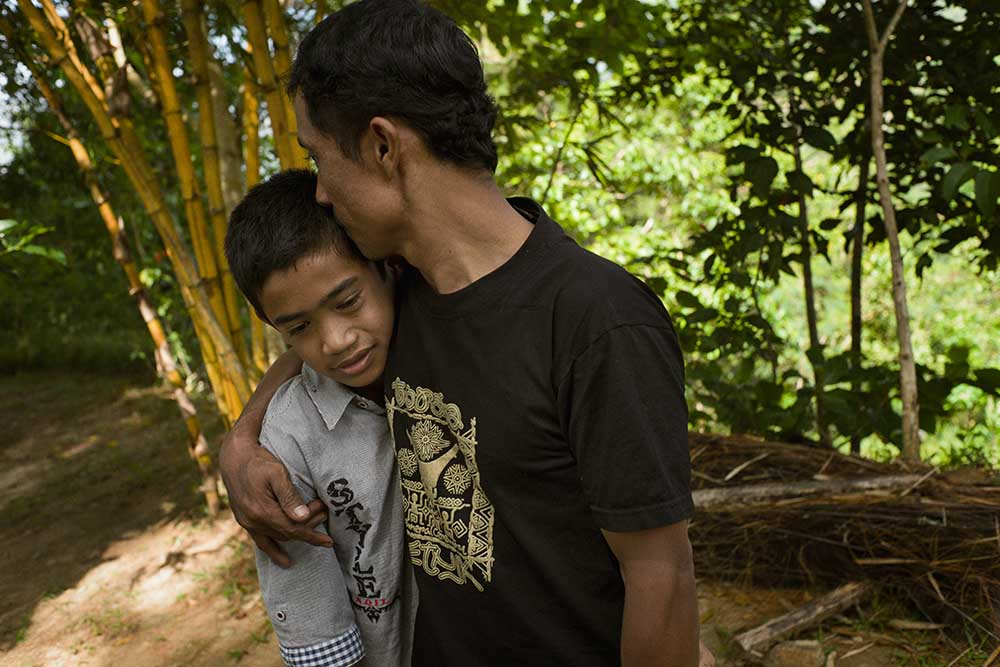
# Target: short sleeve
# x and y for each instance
(309, 607)
(622, 407)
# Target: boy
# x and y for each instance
(334, 308)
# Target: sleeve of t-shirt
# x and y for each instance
(622, 407)
(308, 604)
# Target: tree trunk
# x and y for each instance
(857, 252)
(908, 369)
(815, 352)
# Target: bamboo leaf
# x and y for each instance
(956, 176)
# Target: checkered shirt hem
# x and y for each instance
(340, 651)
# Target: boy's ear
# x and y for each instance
(384, 143)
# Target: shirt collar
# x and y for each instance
(329, 396)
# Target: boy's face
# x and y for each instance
(336, 312)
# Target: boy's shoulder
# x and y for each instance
(303, 407)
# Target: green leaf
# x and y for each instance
(687, 300)
(7, 224)
(988, 379)
(701, 315)
(50, 253)
(800, 182)
(937, 154)
(761, 173)
(818, 137)
(956, 176)
(740, 154)
(987, 191)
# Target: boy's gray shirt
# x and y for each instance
(336, 446)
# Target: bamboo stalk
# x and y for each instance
(197, 445)
(183, 162)
(251, 129)
(198, 51)
(275, 19)
(267, 81)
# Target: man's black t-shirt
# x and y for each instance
(531, 409)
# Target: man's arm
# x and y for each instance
(660, 620)
(261, 494)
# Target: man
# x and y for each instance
(534, 391)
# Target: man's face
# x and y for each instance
(336, 312)
(362, 197)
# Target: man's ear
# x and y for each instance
(384, 144)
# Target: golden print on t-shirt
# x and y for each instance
(449, 519)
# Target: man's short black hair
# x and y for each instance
(403, 59)
(278, 223)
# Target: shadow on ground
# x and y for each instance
(87, 460)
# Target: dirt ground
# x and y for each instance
(108, 559)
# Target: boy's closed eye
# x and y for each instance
(350, 302)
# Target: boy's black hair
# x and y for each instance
(278, 223)
(403, 59)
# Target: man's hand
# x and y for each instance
(264, 501)
(261, 494)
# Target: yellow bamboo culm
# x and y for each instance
(122, 140)
(267, 81)
(251, 158)
(275, 18)
(198, 52)
(183, 162)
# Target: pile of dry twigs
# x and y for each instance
(780, 514)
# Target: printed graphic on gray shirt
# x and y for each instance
(368, 594)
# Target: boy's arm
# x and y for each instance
(261, 494)
(660, 620)
(309, 605)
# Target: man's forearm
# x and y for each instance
(246, 431)
(660, 620)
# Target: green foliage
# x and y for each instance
(662, 135)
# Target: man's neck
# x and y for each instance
(461, 228)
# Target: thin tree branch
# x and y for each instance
(559, 153)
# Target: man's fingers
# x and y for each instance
(311, 536)
(317, 513)
(271, 548)
(289, 499)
